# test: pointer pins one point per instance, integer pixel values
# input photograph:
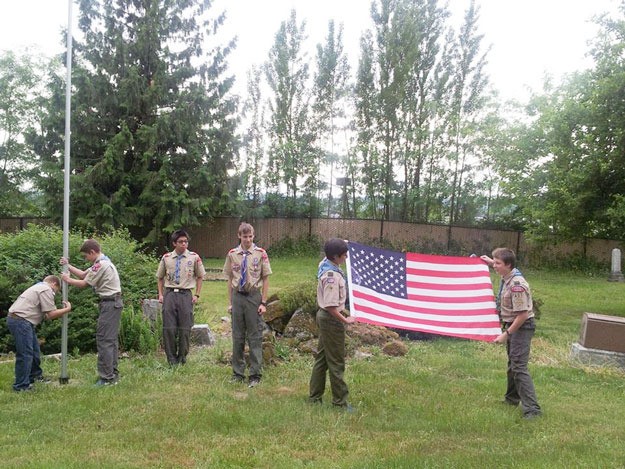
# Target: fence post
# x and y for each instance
(381, 230)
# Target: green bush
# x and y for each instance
(301, 295)
(306, 246)
(137, 334)
(26, 257)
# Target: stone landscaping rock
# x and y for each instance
(201, 335)
(396, 348)
(302, 326)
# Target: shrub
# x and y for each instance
(138, 334)
(306, 246)
(302, 295)
(26, 257)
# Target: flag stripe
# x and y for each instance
(444, 295)
(483, 334)
(448, 299)
(413, 307)
(443, 273)
(449, 288)
(428, 316)
(446, 280)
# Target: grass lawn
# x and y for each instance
(439, 406)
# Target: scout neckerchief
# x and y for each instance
(177, 272)
(244, 267)
(326, 265)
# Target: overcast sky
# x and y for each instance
(529, 37)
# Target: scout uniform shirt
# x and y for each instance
(516, 296)
(257, 268)
(102, 276)
(34, 303)
(331, 290)
(190, 268)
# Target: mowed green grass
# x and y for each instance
(438, 406)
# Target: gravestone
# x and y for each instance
(615, 271)
(201, 335)
(151, 309)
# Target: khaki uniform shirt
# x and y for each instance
(102, 276)
(34, 303)
(331, 290)
(190, 269)
(516, 297)
(258, 268)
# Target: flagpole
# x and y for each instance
(64, 378)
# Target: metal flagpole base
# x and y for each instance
(63, 380)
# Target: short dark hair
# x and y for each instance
(505, 255)
(179, 234)
(334, 247)
(90, 245)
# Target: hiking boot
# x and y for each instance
(346, 408)
(253, 383)
(28, 389)
(42, 379)
(105, 382)
(509, 402)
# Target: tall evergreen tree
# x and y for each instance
(153, 126)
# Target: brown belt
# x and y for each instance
(15, 316)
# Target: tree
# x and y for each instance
(330, 91)
(469, 84)
(293, 157)
(153, 126)
(254, 142)
(20, 95)
(568, 166)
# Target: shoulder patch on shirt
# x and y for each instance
(95, 267)
(329, 280)
(517, 289)
(167, 254)
(232, 250)
(330, 274)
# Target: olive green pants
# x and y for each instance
(331, 358)
(247, 324)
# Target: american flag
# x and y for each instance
(444, 295)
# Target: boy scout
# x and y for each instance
(28, 311)
(178, 273)
(331, 298)
(247, 268)
(102, 276)
(516, 309)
